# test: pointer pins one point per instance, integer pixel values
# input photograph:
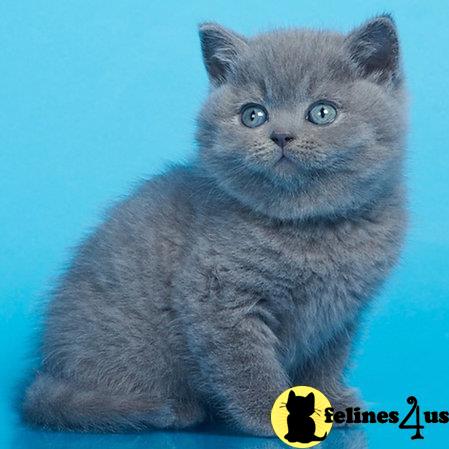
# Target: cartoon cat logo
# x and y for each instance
(298, 417)
(301, 426)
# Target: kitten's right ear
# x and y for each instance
(374, 48)
(221, 48)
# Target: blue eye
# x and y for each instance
(253, 115)
(322, 113)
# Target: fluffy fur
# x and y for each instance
(217, 285)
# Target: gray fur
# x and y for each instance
(219, 284)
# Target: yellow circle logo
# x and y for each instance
(298, 417)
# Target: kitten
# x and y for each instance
(218, 285)
(301, 425)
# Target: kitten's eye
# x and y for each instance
(322, 113)
(253, 115)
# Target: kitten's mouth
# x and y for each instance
(285, 167)
(287, 164)
(284, 159)
(302, 160)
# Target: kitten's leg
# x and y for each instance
(106, 375)
(325, 371)
(236, 352)
(62, 404)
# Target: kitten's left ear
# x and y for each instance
(375, 49)
(221, 48)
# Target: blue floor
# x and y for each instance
(88, 92)
(339, 439)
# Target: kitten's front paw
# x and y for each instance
(255, 421)
(257, 427)
(343, 399)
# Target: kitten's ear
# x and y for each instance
(221, 48)
(311, 397)
(291, 395)
(375, 48)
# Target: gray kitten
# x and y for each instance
(218, 285)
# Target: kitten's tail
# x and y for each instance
(58, 404)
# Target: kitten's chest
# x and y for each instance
(305, 281)
(323, 282)
(310, 263)
(313, 279)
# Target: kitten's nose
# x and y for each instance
(281, 139)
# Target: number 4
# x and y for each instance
(403, 425)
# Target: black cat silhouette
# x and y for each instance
(301, 426)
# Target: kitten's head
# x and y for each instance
(301, 405)
(301, 124)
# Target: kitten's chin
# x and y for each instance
(282, 170)
(286, 169)
(285, 164)
(287, 190)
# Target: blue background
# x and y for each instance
(96, 94)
